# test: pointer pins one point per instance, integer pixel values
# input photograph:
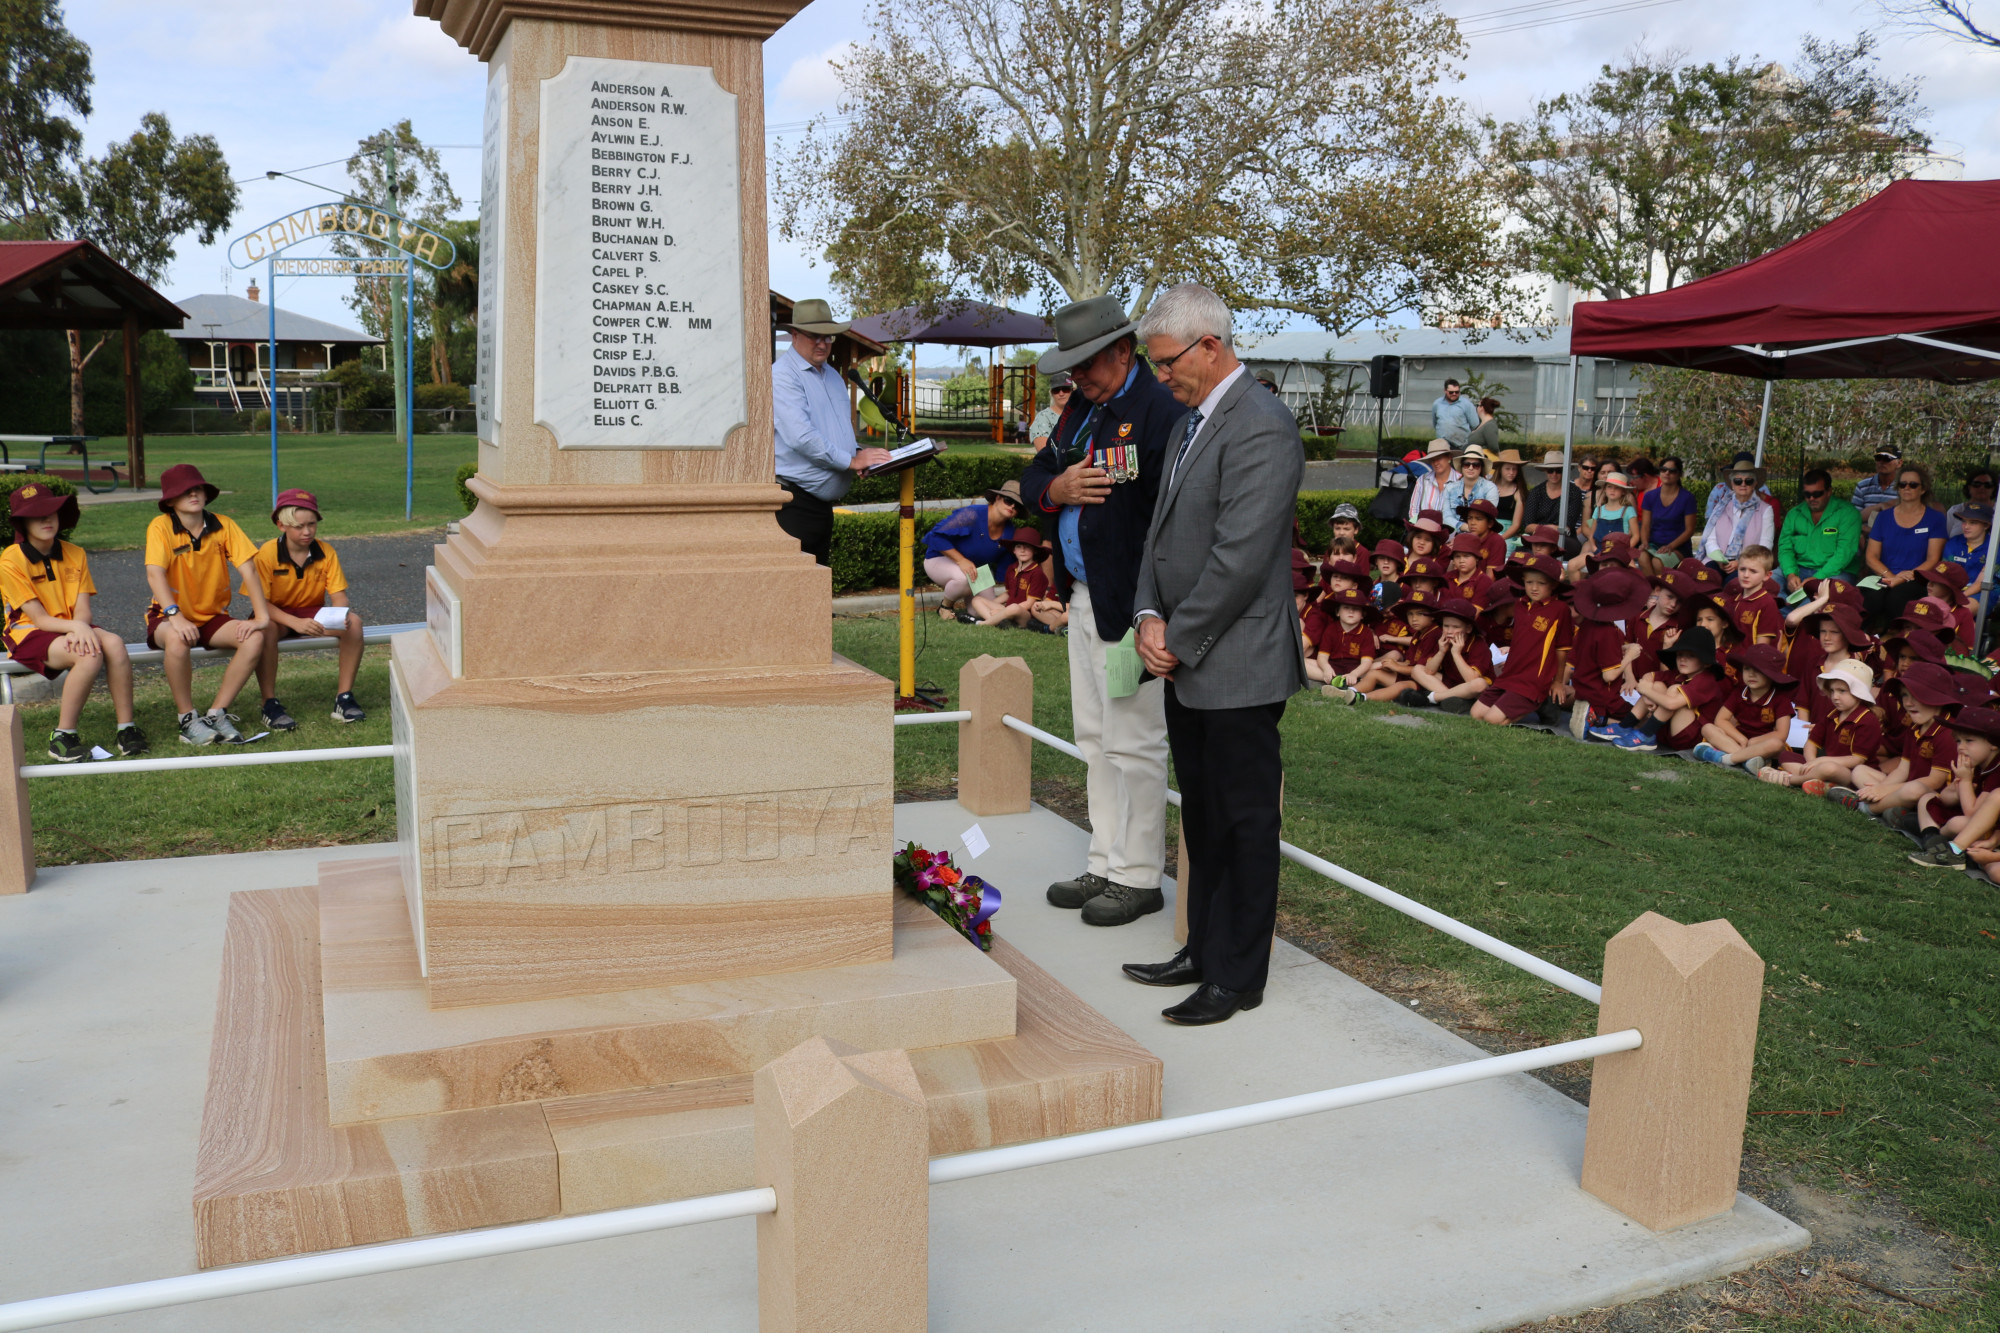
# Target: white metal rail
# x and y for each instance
(918, 719)
(304, 1271)
(1409, 907)
(167, 763)
(139, 652)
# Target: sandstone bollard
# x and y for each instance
(844, 1139)
(1665, 1140)
(994, 760)
(17, 832)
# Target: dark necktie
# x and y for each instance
(1194, 424)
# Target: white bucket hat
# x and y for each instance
(1855, 675)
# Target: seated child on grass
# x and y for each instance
(1387, 565)
(1024, 584)
(1540, 650)
(1947, 587)
(1345, 521)
(1348, 648)
(1425, 536)
(301, 575)
(1924, 766)
(1461, 668)
(1846, 733)
(1753, 608)
(1604, 604)
(1465, 571)
(1969, 834)
(1752, 725)
(1481, 522)
(1673, 708)
(189, 554)
(1968, 551)
(45, 582)
(1416, 616)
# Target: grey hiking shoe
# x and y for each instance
(1121, 904)
(224, 727)
(1076, 892)
(276, 718)
(65, 747)
(195, 730)
(1938, 855)
(346, 710)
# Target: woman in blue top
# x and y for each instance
(1905, 539)
(967, 538)
(1666, 521)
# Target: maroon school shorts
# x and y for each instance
(1512, 706)
(302, 612)
(206, 629)
(33, 651)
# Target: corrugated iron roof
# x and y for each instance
(240, 320)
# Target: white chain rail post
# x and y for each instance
(994, 761)
(843, 1138)
(1665, 1140)
(17, 829)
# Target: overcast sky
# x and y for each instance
(290, 87)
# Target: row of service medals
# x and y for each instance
(1119, 458)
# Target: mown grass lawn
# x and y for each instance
(1881, 1015)
(358, 479)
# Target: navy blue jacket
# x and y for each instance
(1114, 533)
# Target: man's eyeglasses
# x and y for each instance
(1816, 495)
(1163, 364)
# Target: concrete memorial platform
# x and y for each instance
(1453, 1210)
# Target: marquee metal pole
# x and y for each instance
(1764, 422)
(271, 378)
(410, 371)
(1569, 443)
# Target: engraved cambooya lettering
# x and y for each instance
(516, 847)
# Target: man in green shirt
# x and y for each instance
(1821, 537)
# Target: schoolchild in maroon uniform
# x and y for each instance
(1024, 588)
(1924, 765)
(1496, 618)
(1482, 521)
(1386, 564)
(1390, 676)
(1543, 630)
(1948, 582)
(1848, 732)
(1674, 707)
(1460, 668)
(1348, 648)
(1975, 772)
(1821, 642)
(1752, 607)
(1425, 535)
(1933, 616)
(1667, 614)
(1752, 725)
(1615, 549)
(1465, 574)
(1604, 603)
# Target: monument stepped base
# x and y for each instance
(276, 1176)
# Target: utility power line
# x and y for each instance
(1522, 18)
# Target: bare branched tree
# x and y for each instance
(1298, 156)
(1953, 18)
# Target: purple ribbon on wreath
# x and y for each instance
(989, 903)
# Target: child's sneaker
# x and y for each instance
(1604, 729)
(224, 727)
(1846, 796)
(1579, 719)
(1340, 693)
(345, 709)
(1938, 854)
(196, 731)
(1754, 764)
(276, 718)
(65, 747)
(132, 741)
(1708, 754)
(1814, 786)
(1633, 739)
(1903, 819)
(1765, 773)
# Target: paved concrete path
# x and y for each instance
(1454, 1210)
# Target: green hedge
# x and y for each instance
(1316, 507)
(865, 550)
(961, 477)
(464, 474)
(14, 481)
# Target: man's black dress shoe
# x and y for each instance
(1211, 1004)
(1180, 970)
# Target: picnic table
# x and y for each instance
(75, 444)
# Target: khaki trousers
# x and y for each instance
(1124, 742)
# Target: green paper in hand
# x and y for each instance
(1873, 581)
(982, 580)
(1122, 670)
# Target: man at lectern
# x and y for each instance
(817, 455)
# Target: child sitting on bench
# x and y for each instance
(301, 575)
(189, 553)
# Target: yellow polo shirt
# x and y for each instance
(55, 580)
(299, 588)
(198, 567)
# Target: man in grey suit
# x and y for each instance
(1216, 619)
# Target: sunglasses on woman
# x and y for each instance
(1742, 481)
(1909, 485)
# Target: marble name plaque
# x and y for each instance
(639, 268)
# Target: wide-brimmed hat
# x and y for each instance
(1009, 491)
(1615, 549)
(1706, 577)
(1424, 567)
(1947, 575)
(1976, 513)
(1928, 615)
(815, 316)
(1697, 643)
(1846, 619)
(1083, 329)
(1928, 683)
(1919, 641)
(1612, 594)
(1029, 536)
(37, 499)
(1302, 576)
(1745, 461)
(1459, 608)
(1508, 456)
(1542, 534)
(1390, 549)
(1973, 689)
(1766, 659)
(1856, 675)
(1348, 567)
(1464, 543)
(1978, 720)
(1486, 507)
(1844, 593)
(1618, 479)
(295, 499)
(1437, 449)
(1502, 593)
(1475, 452)
(1553, 458)
(1545, 565)
(1370, 613)
(178, 480)
(1427, 520)
(1423, 599)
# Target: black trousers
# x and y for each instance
(810, 519)
(1231, 772)
(1879, 606)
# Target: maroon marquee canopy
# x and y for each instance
(1904, 286)
(956, 324)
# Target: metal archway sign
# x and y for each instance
(362, 222)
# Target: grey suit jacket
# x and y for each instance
(1217, 560)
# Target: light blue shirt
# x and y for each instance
(1069, 523)
(1454, 421)
(1456, 499)
(815, 434)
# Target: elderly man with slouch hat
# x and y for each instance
(1094, 486)
(816, 452)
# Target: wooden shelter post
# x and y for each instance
(135, 430)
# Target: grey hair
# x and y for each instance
(1187, 314)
